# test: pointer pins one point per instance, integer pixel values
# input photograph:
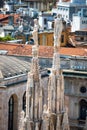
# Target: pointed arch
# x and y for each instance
(83, 109)
(12, 112)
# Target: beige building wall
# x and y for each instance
(5, 93)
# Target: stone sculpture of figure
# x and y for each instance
(45, 109)
(22, 121)
(35, 32)
(58, 26)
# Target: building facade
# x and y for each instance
(79, 21)
(40, 5)
(67, 9)
(13, 81)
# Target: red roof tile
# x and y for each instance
(4, 17)
(44, 51)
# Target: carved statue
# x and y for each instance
(22, 121)
(35, 32)
(58, 26)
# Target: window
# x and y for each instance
(24, 101)
(31, 4)
(83, 89)
(82, 38)
(10, 113)
(83, 109)
(84, 22)
(45, 21)
(62, 38)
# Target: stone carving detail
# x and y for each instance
(22, 121)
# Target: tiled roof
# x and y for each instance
(44, 51)
(4, 18)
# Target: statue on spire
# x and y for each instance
(58, 27)
(35, 32)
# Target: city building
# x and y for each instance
(13, 81)
(67, 9)
(13, 85)
(46, 20)
(79, 21)
(79, 38)
(40, 5)
(12, 90)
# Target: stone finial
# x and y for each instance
(45, 109)
(36, 26)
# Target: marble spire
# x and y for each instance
(33, 84)
(56, 108)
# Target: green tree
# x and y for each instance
(6, 38)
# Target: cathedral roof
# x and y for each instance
(11, 66)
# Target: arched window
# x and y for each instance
(24, 101)
(83, 109)
(10, 113)
(13, 112)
